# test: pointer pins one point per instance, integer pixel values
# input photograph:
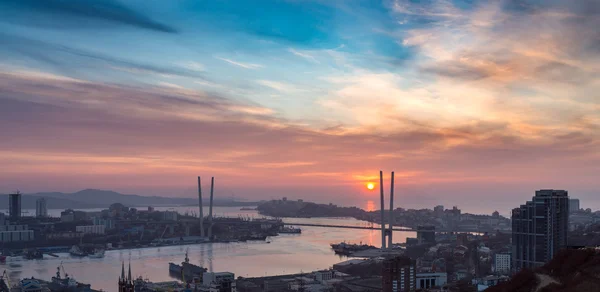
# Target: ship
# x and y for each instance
(290, 230)
(66, 283)
(253, 237)
(33, 254)
(98, 253)
(344, 248)
(76, 251)
(186, 270)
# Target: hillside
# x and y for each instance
(569, 271)
(91, 198)
(279, 208)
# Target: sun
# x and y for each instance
(370, 186)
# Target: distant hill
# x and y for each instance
(91, 198)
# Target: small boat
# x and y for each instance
(290, 230)
(33, 254)
(99, 253)
(76, 251)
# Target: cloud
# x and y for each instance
(85, 134)
(68, 59)
(195, 66)
(279, 86)
(239, 64)
(304, 55)
(74, 14)
(283, 164)
(506, 44)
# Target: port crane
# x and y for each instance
(6, 287)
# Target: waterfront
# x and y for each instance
(287, 253)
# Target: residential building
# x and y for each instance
(170, 216)
(70, 215)
(63, 235)
(430, 280)
(109, 223)
(14, 206)
(18, 235)
(539, 228)
(502, 263)
(14, 227)
(324, 275)
(573, 205)
(399, 274)
(91, 229)
(41, 210)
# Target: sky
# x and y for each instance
(471, 103)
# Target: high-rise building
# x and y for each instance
(539, 228)
(40, 208)
(399, 274)
(573, 205)
(14, 206)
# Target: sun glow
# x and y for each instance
(370, 186)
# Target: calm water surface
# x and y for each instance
(287, 253)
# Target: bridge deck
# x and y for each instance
(344, 226)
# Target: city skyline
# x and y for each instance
(310, 99)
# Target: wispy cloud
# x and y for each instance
(283, 164)
(67, 59)
(240, 64)
(279, 86)
(195, 66)
(304, 55)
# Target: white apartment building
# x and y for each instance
(91, 229)
(502, 263)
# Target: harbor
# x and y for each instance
(285, 254)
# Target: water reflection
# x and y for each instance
(371, 206)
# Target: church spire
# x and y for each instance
(129, 273)
(122, 271)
